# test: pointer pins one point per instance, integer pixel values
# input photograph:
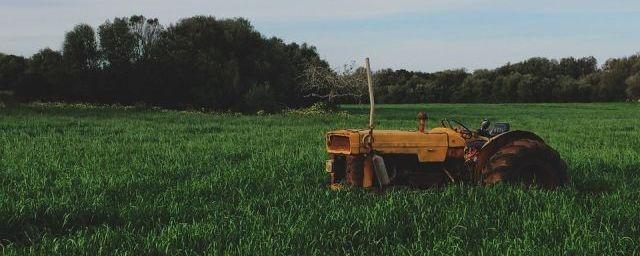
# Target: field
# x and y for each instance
(101, 180)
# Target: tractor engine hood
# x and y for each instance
(431, 146)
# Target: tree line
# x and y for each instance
(533, 80)
(225, 64)
(199, 62)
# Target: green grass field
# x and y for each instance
(103, 180)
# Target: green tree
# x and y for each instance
(45, 78)
(12, 69)
(212, 62)
(633, 87)
(538, 67)
(567, 89)
(118, 43)
(481, 86)
(526, 88)
(119, 49)
(577, 68)
(80, 55)
(508, 91)
(80, 50)
(613, 78)
(441, 85)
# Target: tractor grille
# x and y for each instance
(337, 142)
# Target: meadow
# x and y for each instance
(77, 179)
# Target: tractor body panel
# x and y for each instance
(432, 146)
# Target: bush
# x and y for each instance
(318, 108)
(7, 99)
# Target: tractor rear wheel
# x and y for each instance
(526, 162)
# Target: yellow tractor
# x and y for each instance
(450, 153)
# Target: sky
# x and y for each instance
(419, 35)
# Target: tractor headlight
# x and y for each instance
(338, 142)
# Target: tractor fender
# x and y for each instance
(494, 144)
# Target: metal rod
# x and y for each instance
(371, 101)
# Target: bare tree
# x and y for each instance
(348, 82)
(147, 32)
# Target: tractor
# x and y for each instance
(450, 153)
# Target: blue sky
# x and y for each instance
(410, 34)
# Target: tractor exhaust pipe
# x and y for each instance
(371, 100)
(422, 121)
(369, 162)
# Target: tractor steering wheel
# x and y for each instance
(466, 133)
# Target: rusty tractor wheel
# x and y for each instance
(526, 162)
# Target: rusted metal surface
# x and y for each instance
(526, 162)
(367, 172)
(494, 144)
(354, 173)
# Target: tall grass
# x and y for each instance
(102, 180)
